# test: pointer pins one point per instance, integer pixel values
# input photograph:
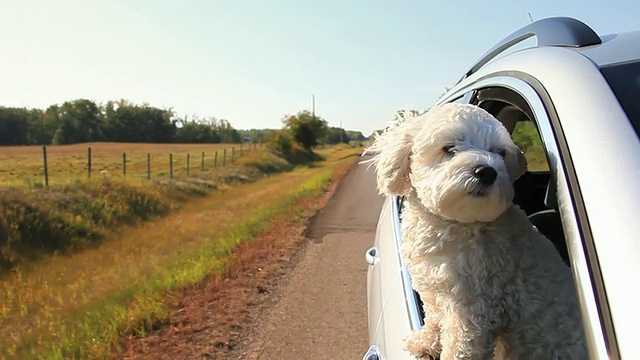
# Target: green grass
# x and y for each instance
(526, 136)
(80, 305)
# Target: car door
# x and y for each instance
(393, 309)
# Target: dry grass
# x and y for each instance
(232, 299)
(24, 165)
(78, 306)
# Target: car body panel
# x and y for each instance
(393, 315)
(615, 48)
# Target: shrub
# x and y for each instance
(281, 141)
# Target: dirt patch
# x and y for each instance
(209, 320)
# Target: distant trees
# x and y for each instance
(255, 135)
(14, 126)
(280, 140)
(127, 122)
(83, 120)
(77, 121)
(305, 128)
(336, 135)
(209, 130)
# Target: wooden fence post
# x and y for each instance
(215, 159)
(187, 164)
(46, 170)
(124, 164)
(170, 166)
(89, 163)
(148, 166)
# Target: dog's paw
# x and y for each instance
(422, 345)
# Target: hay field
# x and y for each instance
(24, 165)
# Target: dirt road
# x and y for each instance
(321, 311)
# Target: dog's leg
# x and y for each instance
(426, 341)
(470, 345)
(420, 344)
(471, 336)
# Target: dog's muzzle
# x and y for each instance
(485, 174)
(483, 177)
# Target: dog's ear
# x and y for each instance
(516, 162)
(392, 150)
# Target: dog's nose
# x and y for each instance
(486, 174)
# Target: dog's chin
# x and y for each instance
(479, 192)
(480, 204)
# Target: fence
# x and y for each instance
(179, 163)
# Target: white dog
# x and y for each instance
(492, 286)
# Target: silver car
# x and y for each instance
(571, 101)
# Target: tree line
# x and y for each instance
(84, 120)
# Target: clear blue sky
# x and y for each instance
(252, 61)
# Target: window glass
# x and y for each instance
(624, 79)
(526, 136)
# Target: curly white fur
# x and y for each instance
(492, 286)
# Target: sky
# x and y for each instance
(254, 61)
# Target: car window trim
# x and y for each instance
(412, 302)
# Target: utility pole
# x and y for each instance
(341, 131)
(313, 105)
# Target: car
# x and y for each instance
(571, 101)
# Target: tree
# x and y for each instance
(280, 140)
(127, 122)
(305, 128)
(78, 121)
(336, 135)
(197, 131)
(41, 129)
(14, 126)
(227, 133)
(356, 135)
(255, 135)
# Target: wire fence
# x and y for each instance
(134, 164)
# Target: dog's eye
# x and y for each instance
(500, 152)
(449, 149)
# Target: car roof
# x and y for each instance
(614, 49)
(567, 33)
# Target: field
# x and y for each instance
(82, 304)
(24, 165)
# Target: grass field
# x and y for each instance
(80, 305)
(24, 165)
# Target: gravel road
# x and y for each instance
(321, 309)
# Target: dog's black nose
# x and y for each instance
(486, 174)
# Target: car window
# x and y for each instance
(526, 136)
(624, 80)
